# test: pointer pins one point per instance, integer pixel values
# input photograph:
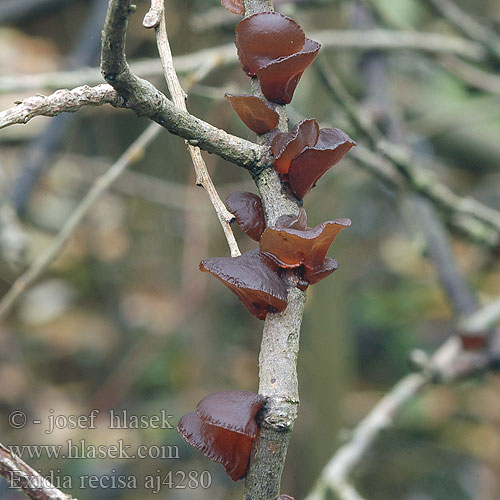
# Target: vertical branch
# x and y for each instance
(156, 18)
(280, 340)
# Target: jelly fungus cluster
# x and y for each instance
(274, 49)
(223, 428)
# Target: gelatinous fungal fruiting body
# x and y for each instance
(274, 48)
(254, 112)
(247, 210)
(234, 6)
(291, 248)
(254, 278)
(304, 154)
(223, 428)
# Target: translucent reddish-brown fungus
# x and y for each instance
(234, 6)
(312, 276)
(265, 37)
(230, 449)
(247, 210)
(313, 162)
(254, 112)
(233, 410)
(223, 428)
(279, 78)
(254, 278)
(274, 48)
(286, 497)
(286, 146)
(291, 248)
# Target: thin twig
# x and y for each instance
(21, 475)
(100, 185)
(61, 101)
(156, 18)
(335, 477)
(432, 43)
(473, 219)
(472, 75)
(468, 25)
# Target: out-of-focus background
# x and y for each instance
(124, 320)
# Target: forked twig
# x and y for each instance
(155, 18)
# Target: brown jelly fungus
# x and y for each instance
(253, 277)
(274, 48)
(223, 428)
(234, 6)
(254, 112)
(304, 154)
(247, 210)
(287, 145)
(314, 161)
(291, 248)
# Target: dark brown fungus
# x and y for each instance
(223, 428)
(254, 112)
(230, 449)
(254, 278)
(234, 6)
(233, 410)
(291, 248)
(274, 48)
(286, 497)
(312, 276)
(247, 210)
(314, 161)
(265, 37)
(286, 146)
(279, 78)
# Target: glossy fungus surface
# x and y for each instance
(313, 162)
(274, 48)
(279, 78)
(228, 448)
(247, 210)
(291, 248)
(265, 37)
(254, 278)
(286, 497)
(233, 410)
(287, 145)
(254, 112)
(223, 428)
(234, 6)
(312, 276)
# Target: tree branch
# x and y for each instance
(394, 165)
(432, 43)
(61, 101)
(155, 18)
(21, 475)
(447, 365)
(100, 185)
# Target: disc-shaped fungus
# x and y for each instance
(234, 6)
(223, 428)
(274, 48)
(254, 278)
(287, 145)
(307, 167)
(291, 248)
(254, 112)
(247, 210)
(312, 276)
